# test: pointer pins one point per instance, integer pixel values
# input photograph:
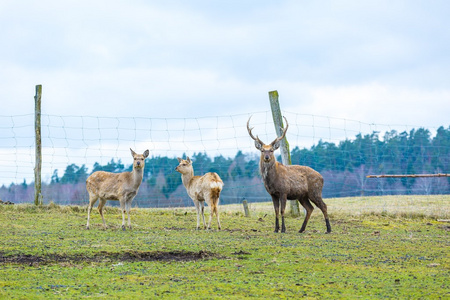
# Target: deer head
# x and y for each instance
(139, 159)
(267, 150)
(185, 165)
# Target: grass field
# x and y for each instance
(380, 247)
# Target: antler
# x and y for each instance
(283, 134)
(250, 132)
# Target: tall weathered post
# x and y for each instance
(38, 146)
(285, 153)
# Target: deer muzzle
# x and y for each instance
(266, 156)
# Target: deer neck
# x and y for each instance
(268, 169)
(137, 175)
(187, 177)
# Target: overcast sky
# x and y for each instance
(385, 62)
(377, 62)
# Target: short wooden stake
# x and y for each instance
(246, 211)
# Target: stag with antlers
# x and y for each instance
(291, 182)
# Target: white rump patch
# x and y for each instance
(215, 185)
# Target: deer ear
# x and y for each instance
(258, 145)
(188, 159)
(146, 153)
(179, 159)
(276, 145)
(132, 152)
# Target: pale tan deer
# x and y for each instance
(291, 182)
(121, 187)
(201, 189)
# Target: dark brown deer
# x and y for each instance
(291, 182)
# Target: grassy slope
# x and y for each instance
(380, 247)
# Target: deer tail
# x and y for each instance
(216, 186)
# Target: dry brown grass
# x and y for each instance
(435, 206)
(409, 206)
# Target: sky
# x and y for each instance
(375, 61)
(382, 62)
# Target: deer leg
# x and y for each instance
(216, 209)
(276, 206)
(283, 207)
(304, 201)
(123, 209)
(92, 200)
(128, 208)
(197, 208)
(323, 207)
(101, 204)
(210, 215)
(202, 206)
(214, 203)
(327, 223)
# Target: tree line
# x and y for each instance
(344, 167)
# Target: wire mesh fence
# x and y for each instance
(343, 151)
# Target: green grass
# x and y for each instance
(380, 247)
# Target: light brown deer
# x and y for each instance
(289, 182)
(201, 189)
(121, 187)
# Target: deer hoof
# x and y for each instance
(87, 227)
(123, 228)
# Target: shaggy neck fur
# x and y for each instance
(268, 169)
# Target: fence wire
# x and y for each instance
(77, 145)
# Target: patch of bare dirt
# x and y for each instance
(130, 256)
(241, 252)
(174, 228)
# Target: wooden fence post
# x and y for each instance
(285, 153)
(38, 146)
(246, 211)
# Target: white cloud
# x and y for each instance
(382, 104)
(349, 59)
